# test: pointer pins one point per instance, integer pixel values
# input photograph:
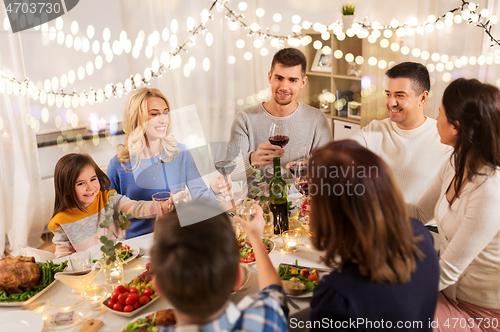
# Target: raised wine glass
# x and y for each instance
(279, 135)
(224, 162)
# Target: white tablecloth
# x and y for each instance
(61, 295)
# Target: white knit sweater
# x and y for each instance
(414, 156)
(469, 231)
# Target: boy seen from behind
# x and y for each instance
(197, 267)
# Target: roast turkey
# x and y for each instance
(18, 274)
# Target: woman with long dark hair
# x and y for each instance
(465, 201)
(386, 268)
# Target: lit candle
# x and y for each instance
(291, 246)
(94, 297)
(102, 124)
(291, 240)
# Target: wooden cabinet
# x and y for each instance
(360, 83)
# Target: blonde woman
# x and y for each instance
(150, 160)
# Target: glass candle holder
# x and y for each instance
(95, 296)
(291, 240)
(113, 274)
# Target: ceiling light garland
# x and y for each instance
(169, 60)
(468, 13)
(172, 59)
(254, 29)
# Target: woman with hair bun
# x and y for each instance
(465, 199)
(150, 160)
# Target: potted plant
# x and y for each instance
(348, 14)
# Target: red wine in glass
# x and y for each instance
(225, 167)
(303, 187)
(279, 140)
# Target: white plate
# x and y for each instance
(139, 317)
(96, 253)
(132, 313)
(21, 320)
(28, 301)
(272, 245)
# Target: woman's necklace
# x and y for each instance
(156, 168)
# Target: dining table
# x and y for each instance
(62, 296)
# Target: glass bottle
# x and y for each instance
(278, 199)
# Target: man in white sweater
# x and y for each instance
(408, 141)
(308, 126)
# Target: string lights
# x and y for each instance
(172, 59)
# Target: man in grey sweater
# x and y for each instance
(308, 126)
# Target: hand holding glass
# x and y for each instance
(279, 135)
(224, 162)
(162, 202)
(252, 221)
(246, 213)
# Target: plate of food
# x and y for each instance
(247, 255)
(22, 280)
(298, 281)
(127, 252)
(150, 322)
(127, 300)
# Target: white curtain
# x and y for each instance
(20, 196)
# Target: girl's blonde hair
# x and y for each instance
(135, 117)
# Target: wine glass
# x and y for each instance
(302, 184)
(246, 211)
(296, 154)
(159, 200)
(224, 162)
(180, 196)
(279, 134)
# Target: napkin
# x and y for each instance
(40, 255)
